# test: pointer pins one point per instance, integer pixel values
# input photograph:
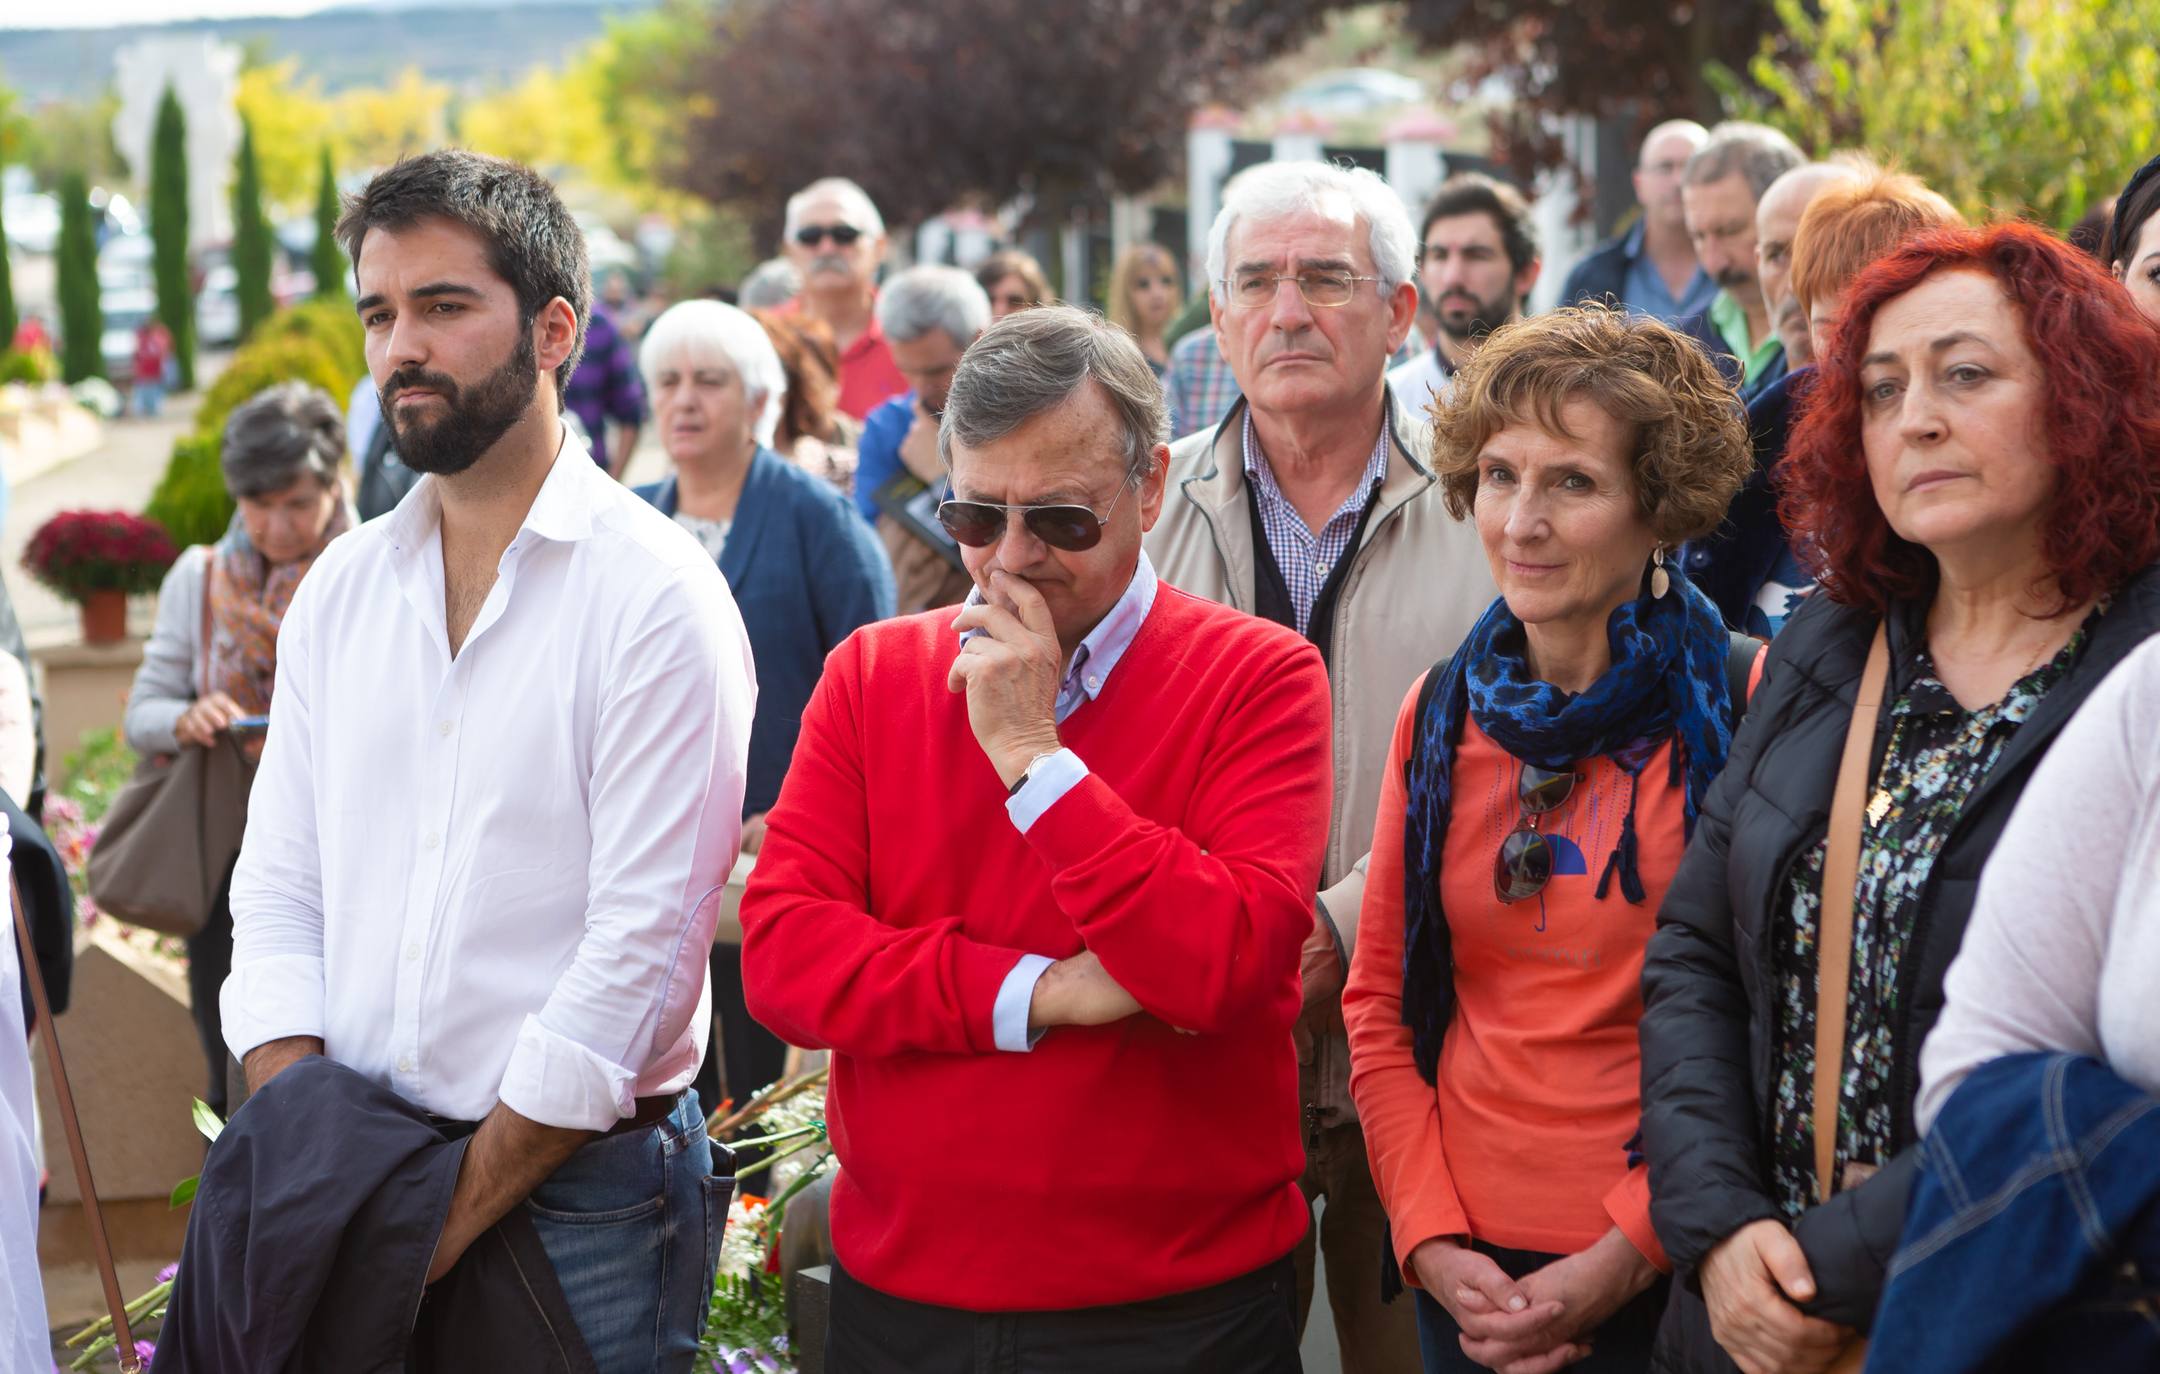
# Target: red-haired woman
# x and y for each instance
(1976, 485)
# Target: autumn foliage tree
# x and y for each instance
(928, 105)
(1635, 60)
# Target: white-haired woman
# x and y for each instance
(804, 570)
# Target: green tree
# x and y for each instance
(169, 233)
(82, 318)
(329, 258)
(252, 252)
(7, 292)
(2007, 107)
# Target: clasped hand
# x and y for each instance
(1010, 674)
(1542, 1322)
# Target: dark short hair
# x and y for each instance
(279, 435)
(533, 243)
(2128, 220)
(1474, 193)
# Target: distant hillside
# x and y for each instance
(465, 43)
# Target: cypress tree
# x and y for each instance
(251, 237)
(82, 318)
(7, 293)
(329, 258)
(169, 233)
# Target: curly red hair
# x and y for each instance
(2101, 415)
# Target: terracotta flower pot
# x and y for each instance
(104, 617)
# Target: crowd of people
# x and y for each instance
(1622, 829)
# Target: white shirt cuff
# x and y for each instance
(1009, 1014)
(1048, 781)
(555, 1081)
(269, 999)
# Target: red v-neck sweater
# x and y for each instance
(893, 895)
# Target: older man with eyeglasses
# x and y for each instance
(835, 237)
(1312, 505)
(1038, 878)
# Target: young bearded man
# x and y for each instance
(504, 775)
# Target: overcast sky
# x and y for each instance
(97, 14)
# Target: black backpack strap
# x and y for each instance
(1433, 676)
(1739, 669)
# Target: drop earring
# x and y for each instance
(1660, 580)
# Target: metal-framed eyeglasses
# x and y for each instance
(1072, 528)
(1326, 290)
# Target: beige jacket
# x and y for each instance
(1417, 582)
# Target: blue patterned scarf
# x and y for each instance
(1667, 681)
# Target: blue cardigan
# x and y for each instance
(805, 571)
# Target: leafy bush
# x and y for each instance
(330, 323)
(191, 501)
(36, 366)
(263, 364)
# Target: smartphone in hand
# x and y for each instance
(250, 725)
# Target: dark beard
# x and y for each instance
(476, 418)
(1489, 315)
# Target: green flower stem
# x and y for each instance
(770, 1160)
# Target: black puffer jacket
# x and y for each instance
(1709, 994)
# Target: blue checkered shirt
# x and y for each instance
(1305, 558)
(1200, 388)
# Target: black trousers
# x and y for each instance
(209, 962)
(1620, 1346)
(1247, 1325)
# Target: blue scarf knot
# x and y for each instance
(1667, 682)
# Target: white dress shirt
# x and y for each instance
(23, 1342)
(495, 877)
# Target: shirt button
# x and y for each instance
(443, 728)
(412, 952)
(433, 840)
(1319, 568)
(1094, 683)
(404, 1064)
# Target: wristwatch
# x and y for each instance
(1029, 771)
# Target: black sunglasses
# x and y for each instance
(1525, 862)
(811, 235)
(979, 524)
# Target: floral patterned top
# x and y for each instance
(1938, 753)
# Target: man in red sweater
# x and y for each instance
(1038, 878)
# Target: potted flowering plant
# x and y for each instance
(97, 559)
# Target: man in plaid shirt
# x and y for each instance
(606, 387)
(1311, 504)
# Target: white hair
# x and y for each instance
(930, 297)
(701, 331)
(1274, 190)
(1696, 134)
(855, 204)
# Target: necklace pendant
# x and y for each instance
(1878, 807)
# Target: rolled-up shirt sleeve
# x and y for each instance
(275, 989)
(669, 759)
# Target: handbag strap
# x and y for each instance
(1834, 928)
(209, 572)
(64, 1095)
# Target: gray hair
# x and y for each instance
(1033, 361)
(1756, 151)
(771, 283)
(1274, 190)
(931, 297)
(708, 330)
(283, 433)
(855, 204)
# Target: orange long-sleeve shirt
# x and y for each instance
(1523, 1142)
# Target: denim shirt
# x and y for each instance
(2031, 1242)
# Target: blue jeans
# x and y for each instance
(149, 397)
(632, 1225)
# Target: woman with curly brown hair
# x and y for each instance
(1975, 484)
(1540, 787)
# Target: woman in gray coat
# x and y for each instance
(208, 668)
